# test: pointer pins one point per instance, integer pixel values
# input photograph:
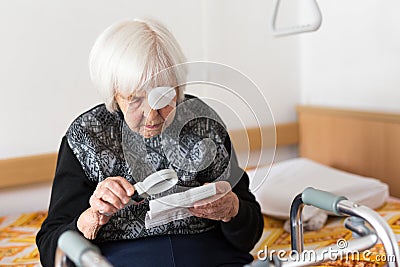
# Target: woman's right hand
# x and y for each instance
(110, 195)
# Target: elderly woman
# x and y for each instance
(97, 167)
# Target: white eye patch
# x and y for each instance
(160, 97)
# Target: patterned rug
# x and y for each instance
(18, 248)
(17, 239)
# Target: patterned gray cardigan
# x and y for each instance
(98, 145)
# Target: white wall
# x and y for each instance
(45, 45)
(239, 35)
(44, 51)
(25, 199)
(353, 61)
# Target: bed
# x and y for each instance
(364, 143)
(357, 142)
(292, 177)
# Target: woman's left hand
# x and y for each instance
(221, 207)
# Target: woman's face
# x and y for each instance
(141, 118)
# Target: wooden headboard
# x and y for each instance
(361, 142)
(366, 143)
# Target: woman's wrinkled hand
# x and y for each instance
(222, 207)
(90, 222)
(110, 195)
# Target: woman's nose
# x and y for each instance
(148, 112)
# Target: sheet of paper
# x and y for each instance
(166, 217)
(175, 207)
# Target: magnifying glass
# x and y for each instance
(155, 183)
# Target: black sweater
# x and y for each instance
(72, 189)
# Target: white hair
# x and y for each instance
(135, 54)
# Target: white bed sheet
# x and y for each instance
(25, 199)
(276, 188)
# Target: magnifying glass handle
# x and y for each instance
(139, 196)
(136, 199)
(155, 183)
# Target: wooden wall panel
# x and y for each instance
(266, 137)
(27, 170)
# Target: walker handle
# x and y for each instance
(322, 199)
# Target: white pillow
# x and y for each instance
(289, 178)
